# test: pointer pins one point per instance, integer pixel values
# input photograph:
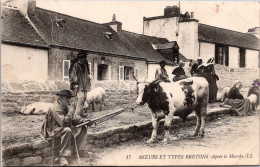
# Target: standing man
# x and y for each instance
(194, 69)
(161, 73)
(80, 80)
(59, 123)
(179, 72)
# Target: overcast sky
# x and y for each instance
(233, 15)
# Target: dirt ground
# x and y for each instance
(18, 128)
(228, 140)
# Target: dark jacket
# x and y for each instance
(80, 76)
(57, 118)
(178, 71)
(195, 69)
(234, 94)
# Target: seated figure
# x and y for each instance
(239, 104)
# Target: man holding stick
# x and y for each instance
(60, 123)
(80, 80)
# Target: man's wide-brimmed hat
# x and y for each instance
(65, 92)
(82, 54)
(162, 62)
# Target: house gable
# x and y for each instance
(17, 30)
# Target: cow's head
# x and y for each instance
(146, 91)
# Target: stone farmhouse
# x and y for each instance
(41, 43)
(38, 44)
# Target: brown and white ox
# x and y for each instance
(168, 99)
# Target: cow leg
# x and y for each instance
(203, 121)
(198, 124)
(155, 128)
(201, 113)
(167, 125)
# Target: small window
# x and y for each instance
(65, 70)
(121, 73)
(60, 23)
(109, 35)
(89, 65)
(242, 57)
(136, 73)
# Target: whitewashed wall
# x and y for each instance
(164, 28)
(188, 39)
(252, 58)
(23, 63)
(207, 51)
(233, 57)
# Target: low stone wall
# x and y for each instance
(16, 95)
(39, 153)
(227, 75)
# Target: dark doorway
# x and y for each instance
(102, 72)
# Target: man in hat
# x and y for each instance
(161, 73)
(194, 69)
(59, 124)
(179, 72)
(80, 80)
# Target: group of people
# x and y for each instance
(60, 122)
(198, 69)
(241, 105)
(234, 98)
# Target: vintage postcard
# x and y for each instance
(129, 83)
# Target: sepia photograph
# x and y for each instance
(130, 83)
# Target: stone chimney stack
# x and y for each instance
(114, 18)
(115, 25)
(31, 7)
(192, 15)
(172, 11)
(27, 7)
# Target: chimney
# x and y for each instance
(31, 7)
(192, 15)
(26, 7)
(172, 11)
(115, 25)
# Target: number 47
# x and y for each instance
(128, 157)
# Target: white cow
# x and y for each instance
(96, 95)
(180, 98)
(37, 108)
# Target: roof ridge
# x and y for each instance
(227, 29)
(102, 24)
(30, 24)
(143, 34)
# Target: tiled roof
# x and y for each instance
(17, 29)
(82, 34)
(223, 36)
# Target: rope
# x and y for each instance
(110, 115)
